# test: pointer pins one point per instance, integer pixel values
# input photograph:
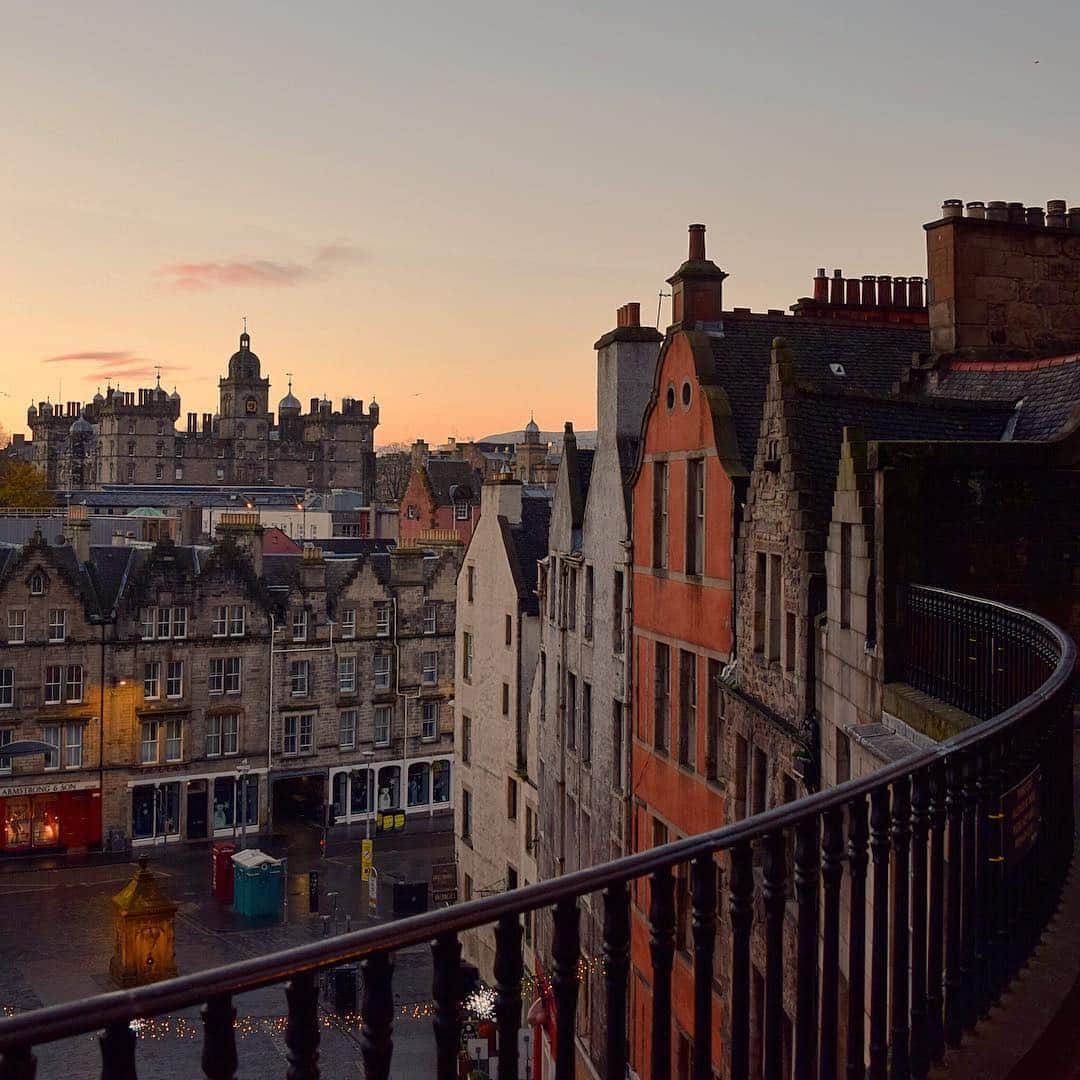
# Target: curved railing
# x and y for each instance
(969, 843)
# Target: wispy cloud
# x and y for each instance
(105, 357)
(262, 273)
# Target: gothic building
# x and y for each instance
(130, 437)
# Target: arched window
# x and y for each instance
(360, 785)
(389, 787)
(419, 784)
(440, 776)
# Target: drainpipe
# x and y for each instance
(101, 743)
(269, 735)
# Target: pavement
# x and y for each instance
(58, 941)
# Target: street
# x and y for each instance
(58, 939)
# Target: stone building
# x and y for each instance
(498, 637)
(581, 696)
(441, 494)
(129, 437)
(190, 691)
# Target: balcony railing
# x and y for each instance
(969, 843)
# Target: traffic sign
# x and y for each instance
(367, 857)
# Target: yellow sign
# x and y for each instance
(367, 856)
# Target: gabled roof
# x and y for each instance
(526, 543)
(871, 356)
(452, 481)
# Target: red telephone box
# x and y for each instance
(221, 871)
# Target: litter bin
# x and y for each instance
(345, 980)
(221, 871)
(259, 884)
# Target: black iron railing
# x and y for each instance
(969, 844)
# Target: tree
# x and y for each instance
(393, 468)
(21, 485)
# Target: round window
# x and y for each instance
(687, 394)
(670, 398)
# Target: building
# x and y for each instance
(581, 699)
(498, 637)
(179, 685)
(129, 437)
(441, 494)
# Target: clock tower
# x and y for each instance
(244, 395)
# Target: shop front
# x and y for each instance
(419, 786)
(194, 807)
(61, 815)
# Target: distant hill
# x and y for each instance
(585, 439)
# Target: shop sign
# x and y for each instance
(13, 791)
(444, 883)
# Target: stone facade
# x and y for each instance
(126, 437)
(183, 657)
(497, 754)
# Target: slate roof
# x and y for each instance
(110, 568)
(352, 546)
(526, 543)
(449, 478)
(584, 471)
(822, 417)
(873, 357)
(1050, 392)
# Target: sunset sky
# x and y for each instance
(442, 204)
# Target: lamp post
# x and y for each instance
(243, 767)
(369, 792)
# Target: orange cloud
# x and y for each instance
(261, 273)
(108, 357)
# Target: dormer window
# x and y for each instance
(37, 584)
(300, 624)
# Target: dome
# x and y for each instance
(289, 401)
(532, 431)
(81, 426)
(99, 398)
(32, 411)
(174, 396)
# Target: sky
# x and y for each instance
(442, 205)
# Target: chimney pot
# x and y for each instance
(821, 286)
(884, 290)
(1074, 218)
(1036, 216)
(836, 291)
(1055, 214)
(697, 243)
(997, 210)
(900, 297)
(633, 313)
(976, 210)
(915, 292)
(869, 290)
(1016, 213)
(952, 208)
(852, 292)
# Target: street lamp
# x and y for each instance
(301, 505)
(243, 767)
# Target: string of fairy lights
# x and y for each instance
(480, 1004)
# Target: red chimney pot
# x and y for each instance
(697, 243)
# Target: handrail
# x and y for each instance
(71, 1018)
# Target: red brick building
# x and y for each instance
(441, 495)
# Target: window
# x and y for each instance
(7, 687)
(164, 622)
(430, 617)
(429, 720)
(617, 780)
(57, 624)
(148, 742)
(221, 621)
(550, 578)
(173, 739)
(131, 474)
(440, 781)
(470, 583)
(16, 626)
(348, 623)
(382, 619)
(299, 624)
(695, 516)
(772, 634)
(7, 735)
(543, 686)
(742, 787)
(760, 565)
(382, 671)
(461, 511)
(508, 630)
(845, 575)
(789, 641)
(362, 783)
(37, 584)
(73, 690)
(346, 674)
(429, 668)
(222, 734)
(511, 798)
(152, 680)
(586, 722)
(714, 722)
(159, 470)
(466, 739)
(571, 599)
(299, 734)
(237, 620)
(466, 817)
(843, 757)
(383, 717)
(54, 684)
(224, 676)
(660, 514)
(232, 675)
(466, 887)
(179, 621)
(299, 677)
(51, 734)
(419, 784)
(759, 782)
(506, 699)
(466, 657)
(570, 710)
(687, 708)
(589, 586)
(662, 697)
(347, 729)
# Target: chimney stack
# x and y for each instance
(628, 315)
(697, 243)
(243, 529)
(836, 289)
(1055, 214)
(77, 532)
(899, 292)
(821, 286)
(869, 290)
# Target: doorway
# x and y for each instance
(298, 807)
(196, 810)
